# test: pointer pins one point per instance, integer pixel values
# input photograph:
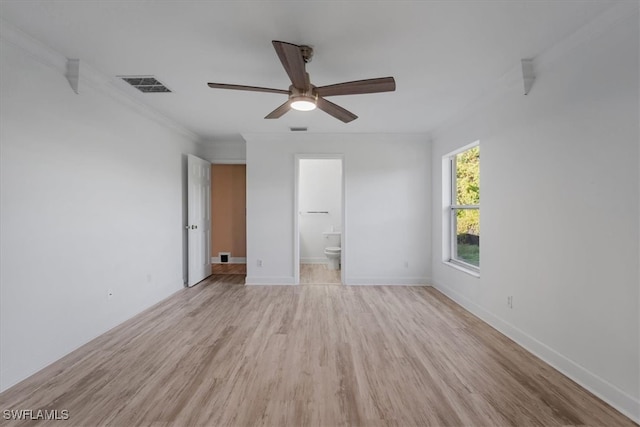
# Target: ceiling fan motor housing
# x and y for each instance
(308, 97)
(299, 92)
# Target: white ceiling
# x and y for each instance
(443, 54)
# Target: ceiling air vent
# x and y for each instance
(146, 84)
(299, 129)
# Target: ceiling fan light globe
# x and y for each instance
(303, 104)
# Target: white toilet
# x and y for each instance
(333, 253)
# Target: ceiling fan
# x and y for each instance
(304, 96)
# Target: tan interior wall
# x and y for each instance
(228, 210)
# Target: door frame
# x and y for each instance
(296, 213)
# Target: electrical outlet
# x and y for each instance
(510, 301)
(259, 263)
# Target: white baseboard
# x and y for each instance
(257, 280)
(387, 281)
(314, 260)
(623, 402)
(232, 260)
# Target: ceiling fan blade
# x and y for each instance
(335, 110)
(293, 63)
(279, 112)
(383, 84)
(249, 88)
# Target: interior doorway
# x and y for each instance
(228, 219)
(319, 219)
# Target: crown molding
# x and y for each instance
(337, 137)
(88, 77)
(602, 23)
(37, 50)
(513, 78)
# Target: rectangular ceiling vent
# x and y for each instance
(299, 129)
(146, 84)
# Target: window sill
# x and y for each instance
(462, 268)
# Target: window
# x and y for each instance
(461, 191)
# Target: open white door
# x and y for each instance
(199, 214)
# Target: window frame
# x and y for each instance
(450, 209)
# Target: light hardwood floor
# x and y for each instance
(229, 269)
(229, 355)
(318, 274)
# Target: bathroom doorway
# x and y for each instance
(319, 219)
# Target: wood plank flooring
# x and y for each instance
(220, 354)
(319, 274)
(229, 269)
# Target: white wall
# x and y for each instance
(91, 199)
(560, 209)
(224, 151)
(320, 190)
(387, 193)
